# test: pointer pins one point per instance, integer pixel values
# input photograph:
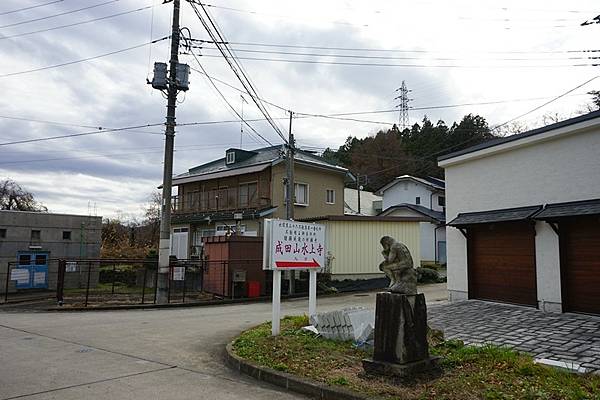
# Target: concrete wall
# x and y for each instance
(546, 168)
(356, 249)
(319, 180)
(85, 237)
(406, 191)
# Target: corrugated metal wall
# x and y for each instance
(355, 244)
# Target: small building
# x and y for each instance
(353, 247)
(361, 202)
(525, 212)
(238, 191)
(411, 196)
(30, 240)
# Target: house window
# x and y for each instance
(417, 200)
(330, 196)
(248, 194)
(36, 235)
(2, 233)
(66, 235)
(441, 201)
(301, 190)
(302, 194)
(230, 157)
(24, 259)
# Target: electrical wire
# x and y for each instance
(31, 7)
(357, 64)
(234, 65)
(58, 15)
(71, 135)
(546, 103)
(283, 45)
(82, 59)
(227, 102)
(75, 23)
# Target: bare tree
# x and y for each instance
(14, 197)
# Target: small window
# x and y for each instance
(302, 195)
(24, 259)
(442, 201)
(36, 235)
(417, 200)
(41, 259)
(66, 235)
(2, 233)
(230, 157)
(330, 196)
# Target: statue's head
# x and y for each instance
(387, 242)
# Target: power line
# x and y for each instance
(41, 121)
(58, 15)
(31, 7)
(370, 57)
(75, 23)
(357, 64)
(234, 65)
(82, 59)
(546, 103)
(71, 135)
(382, 50)
(225, 99)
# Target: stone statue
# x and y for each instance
(398, 266)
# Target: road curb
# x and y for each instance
(290, 382)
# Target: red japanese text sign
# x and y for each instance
(294, 245)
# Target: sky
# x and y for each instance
(312, 57)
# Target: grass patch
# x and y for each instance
(487, 372)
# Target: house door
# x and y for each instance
(179, 243)
(31, 271)
(501, 262)
(580, 264)
(441, 252)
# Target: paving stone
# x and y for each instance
(568, 337)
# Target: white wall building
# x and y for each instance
(526, 216)
(370, 203)
(409, 196)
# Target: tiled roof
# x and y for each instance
(505, 215)
(438, 216)
(570, 209)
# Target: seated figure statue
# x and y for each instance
(398, 266)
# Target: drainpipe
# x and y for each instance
(431, 201)
(435, 241)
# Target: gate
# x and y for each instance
(31, 271)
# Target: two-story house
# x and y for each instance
(410, 196)
(237, 192)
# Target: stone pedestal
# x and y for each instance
(401, 347)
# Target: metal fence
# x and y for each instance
(102, 282)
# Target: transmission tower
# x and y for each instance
(403, 120)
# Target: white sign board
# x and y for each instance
(71, 266)
(21, 275)
(39, 278)
(179, 273)
(291, 245)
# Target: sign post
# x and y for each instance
(292, 245)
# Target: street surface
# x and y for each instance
(143, 354)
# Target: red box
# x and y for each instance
(253, 289)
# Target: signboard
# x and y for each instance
(179, 273)
(291, 245)
(71, 266)
(21, 275)
(239, 276)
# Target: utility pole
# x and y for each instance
(165, 220)
(291, 191)
(358, 188)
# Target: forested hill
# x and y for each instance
(413, 151)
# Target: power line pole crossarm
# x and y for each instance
(165, 221)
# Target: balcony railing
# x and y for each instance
(232, 199)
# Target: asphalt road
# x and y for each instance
(143, 354)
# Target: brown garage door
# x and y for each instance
(580, 264)
(501, 259)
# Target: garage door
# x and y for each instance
(580, 264)
(501, 258)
